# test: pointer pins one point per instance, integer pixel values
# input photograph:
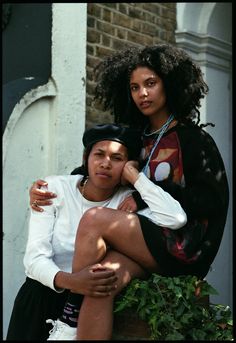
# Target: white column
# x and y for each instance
(69, 74)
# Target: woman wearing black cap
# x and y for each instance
(50, 246)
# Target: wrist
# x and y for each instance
(62, 280)
(135, 178)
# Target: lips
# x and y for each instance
(145, 104)
(103, 175)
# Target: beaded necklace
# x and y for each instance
(160, 133)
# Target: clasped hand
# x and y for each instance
(94, 281)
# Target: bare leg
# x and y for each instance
(96, 314)
(129, 256)
(101, 227)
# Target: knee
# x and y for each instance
(91, 219)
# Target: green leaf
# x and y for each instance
(173, 311)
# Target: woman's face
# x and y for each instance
(105, 164)
(148, 93)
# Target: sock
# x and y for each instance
(71, 309)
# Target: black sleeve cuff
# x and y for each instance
(139, 201)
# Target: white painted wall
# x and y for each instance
(43, 137)
(205, 31)
(69, 73)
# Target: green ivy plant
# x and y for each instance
(174, 308)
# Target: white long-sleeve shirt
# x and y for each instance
(52, 233)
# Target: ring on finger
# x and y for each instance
(35, 203)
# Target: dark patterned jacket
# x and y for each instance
(187, 164)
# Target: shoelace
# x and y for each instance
(56, 327)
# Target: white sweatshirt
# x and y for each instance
(52, 233)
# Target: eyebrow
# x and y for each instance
(113, 154)
(145, 80)
(119, 154)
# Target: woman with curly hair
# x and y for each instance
(157, 89)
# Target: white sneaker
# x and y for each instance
(61, 331)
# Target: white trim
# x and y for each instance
(206, 50)
(47, 90)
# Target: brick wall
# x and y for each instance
(113, 26)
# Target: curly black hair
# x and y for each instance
(182, 79)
